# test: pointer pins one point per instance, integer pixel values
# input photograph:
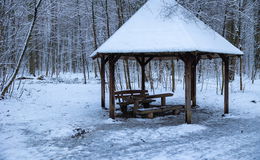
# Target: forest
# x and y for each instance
(53, 37)
(171, 99)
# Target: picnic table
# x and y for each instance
(141, 101)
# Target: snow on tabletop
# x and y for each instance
(151, 30)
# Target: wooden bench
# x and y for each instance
(149, 112)
(162, 96)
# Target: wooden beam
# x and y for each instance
(226, 81)
(116, 58)
(113, 58)
(103, 82)
(138, 60)
(198, 58)
(106, 59)
(195, 61)
(148, 60)
(111, 87)
(188, 73)
(209, 57)
(142, 61)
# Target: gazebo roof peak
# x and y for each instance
(150, 30)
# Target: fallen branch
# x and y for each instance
(24, 78)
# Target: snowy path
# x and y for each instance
(41, 123)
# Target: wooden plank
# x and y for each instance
(130, 95)
(131, 101)
(111, 88)
(226, 91)
(160, 95)
(103, 82)
(166, 108)
(158, 109)
(148, 110)
(176, 112)
(188, 70)
(131, 91)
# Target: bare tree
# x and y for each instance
(11, 80)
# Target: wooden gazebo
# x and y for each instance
(150, 34)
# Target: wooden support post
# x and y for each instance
(143, 77)
(112, 60)
(136, 105)
(143, 72)
(226, 81)
(103, 82)
(173, 75)
(111, 87)
(143, 63)
(188, 72)
(163, 101)
(150, 115)
(193, 84)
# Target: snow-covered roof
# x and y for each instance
(150, 30)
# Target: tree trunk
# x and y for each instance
(241, 73)
(107, 19)
(256, 42)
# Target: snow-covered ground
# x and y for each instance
(64, 121)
